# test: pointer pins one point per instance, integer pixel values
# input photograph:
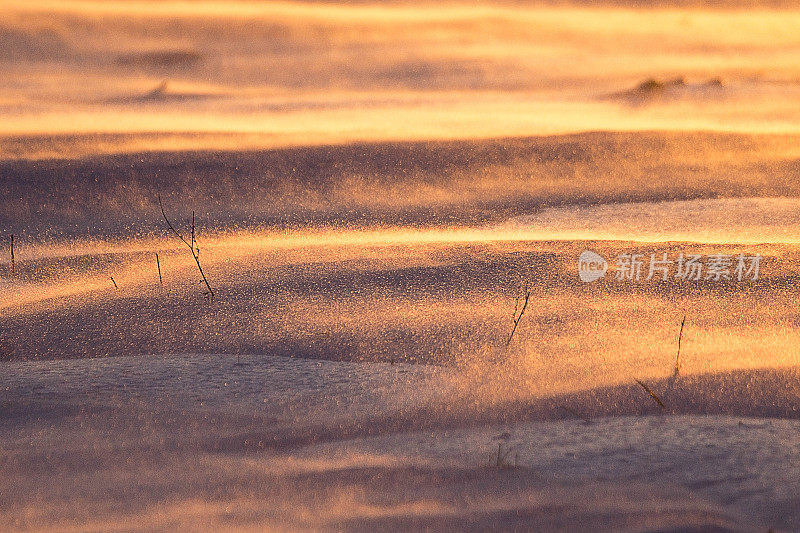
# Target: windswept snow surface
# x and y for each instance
(209, 441)
(373, 185)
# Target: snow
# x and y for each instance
(373, 184)
(205, 441)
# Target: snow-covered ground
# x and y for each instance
(730, 220)
(358, 379)
(206, 441)
(374, 186)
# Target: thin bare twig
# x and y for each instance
(114, 282)
(13, 266)
(678, 357)
(158, 264)
(651, 393)
(194, 240)
(192, 245)
(502, 456)
(525, 297)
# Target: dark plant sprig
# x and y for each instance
(678, 357)
(191, 244)
(523, 297)
(651, 393)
